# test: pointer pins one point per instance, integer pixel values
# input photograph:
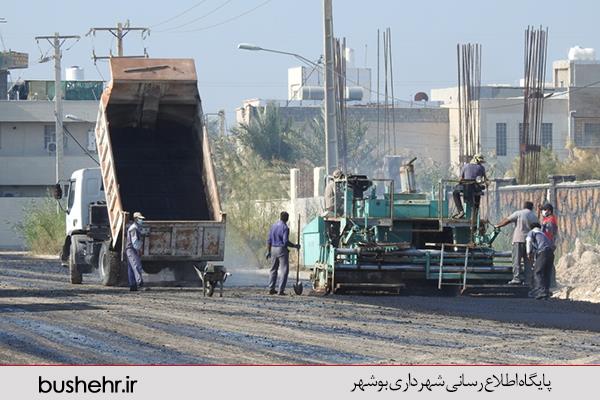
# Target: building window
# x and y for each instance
(50, 136)
(521, 133)
(547, 135)
(501, 139)
(590, 137)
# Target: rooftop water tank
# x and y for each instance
(578, 53)
(74, 73)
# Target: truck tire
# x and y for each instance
(74, 271)
(109, 266)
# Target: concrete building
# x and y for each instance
(27, 137)
(420, 128)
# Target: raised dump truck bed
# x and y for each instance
(155, 158)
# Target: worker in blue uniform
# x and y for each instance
(540, 251)
(133, 251)
(277, 249)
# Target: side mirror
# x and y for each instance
(57, 192)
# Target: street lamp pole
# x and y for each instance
(330, 124)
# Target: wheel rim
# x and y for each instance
(103, 265)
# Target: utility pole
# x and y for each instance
(119, 33)
(331, 148)
(57, 41)
(221, 115)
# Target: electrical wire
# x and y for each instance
(214, 10)
(179, 15)
(71, 46)
(79, 144)
(99, 72)
(227, 20)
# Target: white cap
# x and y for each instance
(138, 215)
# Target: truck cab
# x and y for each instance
(85, 189)
(87, 225)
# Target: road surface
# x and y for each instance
(45, 320)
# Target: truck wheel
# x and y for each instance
(210, 288)
(109, 266)
(74, 271)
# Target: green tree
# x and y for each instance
(252, 191)
(267, 134)
(310, 146)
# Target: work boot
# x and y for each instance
(272, 291)
(458, 215)
(133, 288)
(282, 293)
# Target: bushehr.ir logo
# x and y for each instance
(81, 385)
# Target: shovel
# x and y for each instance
(298, 285)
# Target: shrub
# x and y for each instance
(43, 228)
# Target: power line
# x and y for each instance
(119, 32)
(214, 10)
(179, 15)
(80, 145)
(227, 20)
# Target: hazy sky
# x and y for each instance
(424, 36)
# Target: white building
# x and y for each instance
(571, 113)
(27, 140)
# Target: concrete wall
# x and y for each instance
(576, 204)
(11, 214)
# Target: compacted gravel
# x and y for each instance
(46, 320)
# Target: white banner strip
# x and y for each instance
(297, 382)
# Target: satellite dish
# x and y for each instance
(421, 96)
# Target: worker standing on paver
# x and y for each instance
(277, 249)
(133, 251)
(540, 251)
(332, 197)
(523, 220)
(472, 176)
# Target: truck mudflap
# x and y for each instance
(184, 241)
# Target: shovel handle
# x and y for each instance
(298, 256)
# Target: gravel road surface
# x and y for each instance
(46, 320)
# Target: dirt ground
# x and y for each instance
(44, 319)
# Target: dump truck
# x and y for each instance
(155, 158)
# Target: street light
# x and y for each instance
(331, 152)
(75, 118)
(253, 47)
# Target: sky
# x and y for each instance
(424, 38)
